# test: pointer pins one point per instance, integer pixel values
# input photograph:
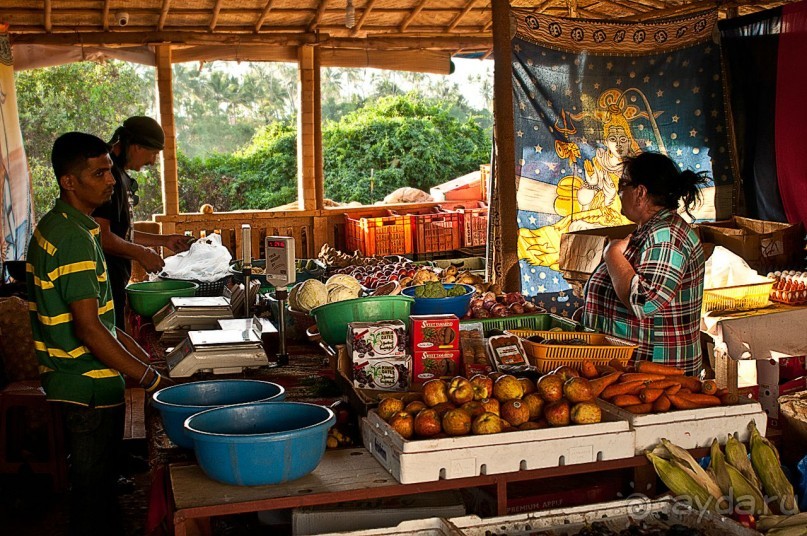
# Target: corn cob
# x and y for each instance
(741, 494)
(765, 460)
(737, 455)
(682, 483)
(698, 473)
(788, 531)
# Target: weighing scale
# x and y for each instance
(223, 351)
(280, 272)
(192, 313)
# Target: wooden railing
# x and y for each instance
(310, 228)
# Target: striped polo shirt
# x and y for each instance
(65, 263)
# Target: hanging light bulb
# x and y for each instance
(350, 14)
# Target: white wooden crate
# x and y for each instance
(427, 460)
(433, 526)
(692, 428)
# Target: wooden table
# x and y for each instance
(350, 475)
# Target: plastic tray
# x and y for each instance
(737, 298)
(437, 233)
(547, 357)
(537, 321)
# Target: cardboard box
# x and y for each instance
(371, 340)
(375, 513)
(774, 377)
(435, 364)
(765, 245)
(384, 374)
(434, 332)
(581, 252)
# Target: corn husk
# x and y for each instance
(766, 523)
(737, 455)
(682, 482)
(685, 460)
(743, 496)
(765, 460)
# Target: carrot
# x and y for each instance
(588, 370)
(684, 391)
(640, 409)
(648, 367)
(648, 396)
(673, 389)
(729, 399)
(663, 384)
(632, 388)
(662, 404)
(691, 383)
(604, 370)
(599, 384)
(693, 401)
(709, 387)
(722, 391)
(638, 376)
(625, 400)
(616, 364)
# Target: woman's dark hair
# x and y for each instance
(665, 184)
(72, 150)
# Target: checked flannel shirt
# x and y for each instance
(666, 294)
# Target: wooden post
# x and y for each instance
(505, 143)
(309, 132)
(165, 107)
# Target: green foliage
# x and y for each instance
(406, 141)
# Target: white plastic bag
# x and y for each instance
(206, 260)
(725, 269)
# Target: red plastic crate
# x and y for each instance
(474, 224)
(440, 232)
(380, 235)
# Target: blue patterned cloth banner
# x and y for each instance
(588, 93)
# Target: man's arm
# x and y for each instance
(174, 242)
(123, 355)
(115, 245)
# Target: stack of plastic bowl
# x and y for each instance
(148, 297)
(178, 402)
(455, 305)
(260, 443)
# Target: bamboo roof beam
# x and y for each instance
(151, 37)
(676, 11)
(48, 23)
(571, 5)
(263, 16)
(368, 8)
(163, 14)
(631, 7)
(461, 16)
(215, 17)
(105, 16)
(411, 16)
(323, 4)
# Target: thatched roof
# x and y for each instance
(455, 26)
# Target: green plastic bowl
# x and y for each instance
(148, 297)
(332, 319)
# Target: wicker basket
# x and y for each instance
(793, 409)
(737, 298)
(547, 357)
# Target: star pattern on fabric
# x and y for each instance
(517, 48)
(696, 90)
(551, 165)
(675, 118)
(527, 277)
(693, 133)
(646, 79)
(538, 149)
(541, 288)
(679, 152)
(520, 134)
(533, 221)
(659, 93)
(522, 106)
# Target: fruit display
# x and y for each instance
(749, 491)
(490, 404)
(492, 305)
(653, 388)
(344, 433)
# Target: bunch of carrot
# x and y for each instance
(648, 387)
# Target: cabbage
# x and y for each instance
(311, 294)
(293, 297)
(343, 280)
(338, 293)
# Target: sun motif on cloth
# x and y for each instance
(587, 94)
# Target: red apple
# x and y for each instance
(435, 392)
(460, 390)
(483, 386)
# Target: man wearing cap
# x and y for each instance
(135, 145)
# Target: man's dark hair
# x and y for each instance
(72, 150)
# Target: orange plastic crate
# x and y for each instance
(382, 235)
(437, 232)
(547, 357)
(475, 226)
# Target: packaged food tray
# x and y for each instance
(616, 515)
(547, 357)
(535, 321)
(737, 298)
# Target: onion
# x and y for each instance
(489, 304)
(481, 313)
(516, 308)
(529, 306)
(489, 296)
(498, 310)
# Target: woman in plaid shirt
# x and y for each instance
(649, 288)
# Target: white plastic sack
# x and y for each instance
(206, 260)
(726, 269)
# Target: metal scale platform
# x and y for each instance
(245, 342)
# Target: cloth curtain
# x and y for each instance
(764, 57)
(588, 93)
(17, 218)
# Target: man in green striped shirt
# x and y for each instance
(81, 354)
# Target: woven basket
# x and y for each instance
(209, 288)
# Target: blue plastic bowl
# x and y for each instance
(260, 443)
(178, 402)
(455, 305)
